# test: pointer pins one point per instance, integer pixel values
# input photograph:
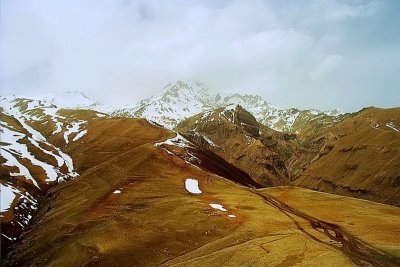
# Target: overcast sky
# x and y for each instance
(321, 54)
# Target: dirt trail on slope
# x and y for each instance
(357, 250)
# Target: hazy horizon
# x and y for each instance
(306, 54)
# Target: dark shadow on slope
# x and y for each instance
(213, 163)
(357, 250)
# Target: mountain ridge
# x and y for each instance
(184, 98)
(154, 108)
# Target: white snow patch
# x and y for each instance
(231, 216)
(392, 126)
(7, 196)
(15, 149)
(74, 128)
(178, 140)
(9, 238)
(52, 112)
(9, 152)
(69, 99)
(376, 126)
(192, 185)
(117, 191)
(79, 135)
(58, 127)
(218, 207)
(209, 141)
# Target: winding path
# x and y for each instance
(357, 250)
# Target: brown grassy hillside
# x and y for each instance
(359, 156)
(32, 158)
(235, 135)
(130, 207)
(351, 154)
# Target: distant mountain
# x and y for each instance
(173, 104)
(274, 117)
(70, 99)
(183, 99)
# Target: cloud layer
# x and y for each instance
(321, 54)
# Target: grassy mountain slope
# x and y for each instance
(359, 157)
(130, 206)
(235, 135)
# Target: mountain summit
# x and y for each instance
(174, 103)
(183, 99)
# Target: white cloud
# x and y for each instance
(327, 65)
(126, 50)
(337, 10)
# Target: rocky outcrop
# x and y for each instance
(235, 135)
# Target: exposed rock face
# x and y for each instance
(235, 135)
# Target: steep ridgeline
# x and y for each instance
(285, 120)
(34, 135)
(235, 135)
(183, 99)
(359, 156)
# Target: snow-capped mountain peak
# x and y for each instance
(183, 91)
(180, 100)
(174, 103)
(69, 99)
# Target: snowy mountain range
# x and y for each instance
(182, 99)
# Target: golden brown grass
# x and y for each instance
(155, 221)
